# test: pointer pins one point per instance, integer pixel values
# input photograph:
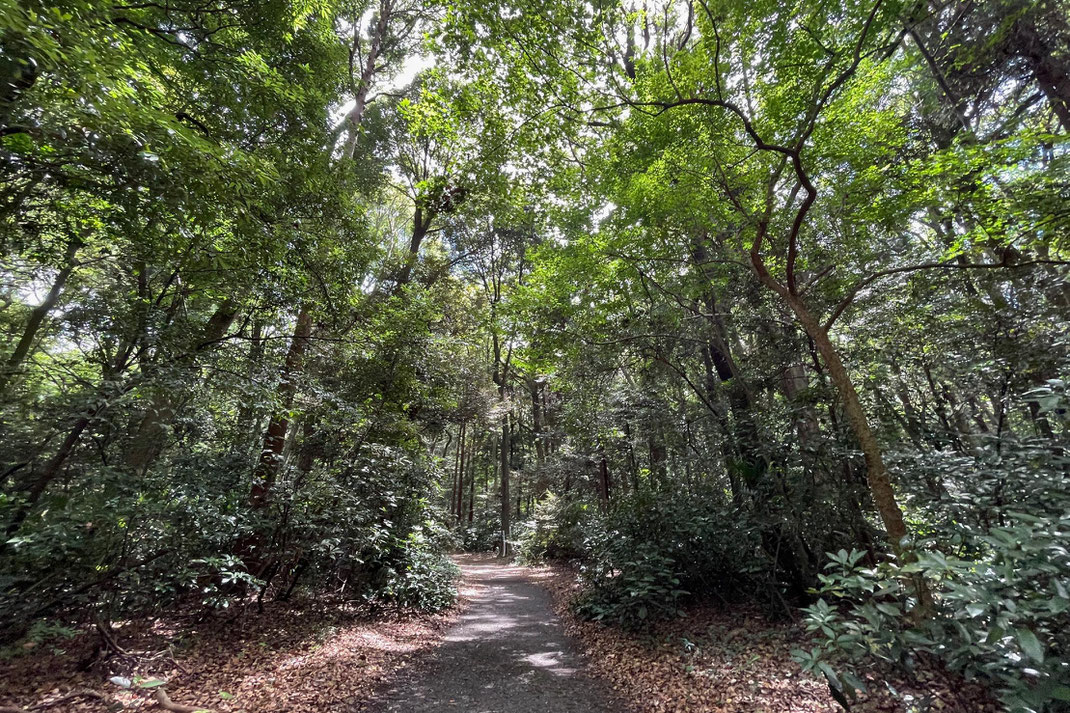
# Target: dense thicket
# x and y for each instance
(743, 301)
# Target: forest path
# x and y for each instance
(507, 653)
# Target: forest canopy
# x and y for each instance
(760, 303)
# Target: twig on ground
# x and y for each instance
(108, 637)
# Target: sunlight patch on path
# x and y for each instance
(508, 653)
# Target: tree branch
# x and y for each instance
(949, 264)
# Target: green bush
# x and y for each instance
(1001, 617)
(993, 551)
(425, 579)
(483, 534)
(558, 530)
(657, 549)
(134, 546)
(630, 588)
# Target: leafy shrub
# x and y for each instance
(482, 534)
(657, 548)
(42, 632)
(131, 546)
(630, 588)
(425, 579)
(999, 577)
(558, 530)
(1001, 617)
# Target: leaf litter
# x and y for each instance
(309, 656)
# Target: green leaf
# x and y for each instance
(1030, 644)
(856, 683)
(888, 609)
(830, 674)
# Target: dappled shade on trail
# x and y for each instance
(508, 653)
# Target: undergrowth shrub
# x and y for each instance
(558, 530)
(424, 579)
(1000, 584)
(1002, 619)
(483, 534)
(131, 547)
(657, 549)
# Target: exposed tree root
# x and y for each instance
(167, 704)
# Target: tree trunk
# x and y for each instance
(311, 447)
(421, 223)
(880, 485)
(536, 421)
(471, 494)
(356, 114)
(38, 316)
(1051, 74)
(519, 496)
(53, 467)
(658, 457)
(49, 472)
(633, 462)
(275, 438)
(603, 479)
(247, 415)
(744, 456)
(107, 395)
(459, 495)
(506, 548)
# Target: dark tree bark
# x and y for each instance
(275, 438)
(633, 462)
(603, 481)
(50, 470)
(506, 547)
(471, 493)
(1051, 72)
(421, 223)
(659, 456)
(458, 503)
(311, 446)
(742, 445)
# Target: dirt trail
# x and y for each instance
(508, 653)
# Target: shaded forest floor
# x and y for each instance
(310, 656)
(303, 657)
(714, 660)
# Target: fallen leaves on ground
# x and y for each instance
(714, 660)
(312, 656)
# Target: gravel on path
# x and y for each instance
(508, 653)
